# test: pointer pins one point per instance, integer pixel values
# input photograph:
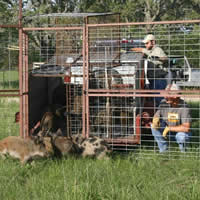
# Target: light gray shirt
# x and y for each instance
(174, 116)
(157, 52)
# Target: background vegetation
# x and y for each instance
(131, 11)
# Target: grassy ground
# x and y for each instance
(8, 108)
(136, 176)
(122, 177)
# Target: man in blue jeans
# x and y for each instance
(172, 119)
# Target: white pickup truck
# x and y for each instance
(182, 73)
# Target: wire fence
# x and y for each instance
(9, 50)
(106, 88)
(124, 97)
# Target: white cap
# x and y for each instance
(172, 87)
(148, 38)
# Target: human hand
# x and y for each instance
(165, 132)
(156, 123)
(137, 49)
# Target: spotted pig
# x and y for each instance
(92, 146)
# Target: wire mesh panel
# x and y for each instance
(9, 84)
(113, 117)
(55, 66)
(8, 125)
(125, 98)
(56, 60)
(101, 73)
(9, 58)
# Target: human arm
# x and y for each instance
(185, 127)
(159, 54)
(185, 118)
(156, 55)
(137, 49)
(156, 120)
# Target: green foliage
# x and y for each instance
(138, 10)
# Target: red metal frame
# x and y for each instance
(21, 125)
(23, 77)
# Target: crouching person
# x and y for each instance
(172, 120)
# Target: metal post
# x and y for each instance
(107, 86)
(25, 86)
(85, 80)
(20, 69)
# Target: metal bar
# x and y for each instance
(143, 91)
(20, 68)
(144, 23)
(68, 109)
(9, 95)
(51, 28)
(87, 80)
(48, 75)
(25, 82)
(83, 15)
(134, 140)
(108, 107)
(83, 89)
(9, 90)
(9, 26)
(139, 95)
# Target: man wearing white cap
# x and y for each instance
(157, 69)
(172, 120)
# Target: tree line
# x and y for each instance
(131, 10)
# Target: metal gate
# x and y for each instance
(90, 70)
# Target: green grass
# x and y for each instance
(8, 109)
(86, 179)
(138, 175)
(9, 80)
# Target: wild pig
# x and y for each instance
(24, 149)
